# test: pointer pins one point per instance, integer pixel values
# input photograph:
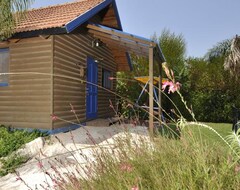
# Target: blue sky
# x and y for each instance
(203, 23)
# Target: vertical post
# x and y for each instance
(151, 91)
(160, 94)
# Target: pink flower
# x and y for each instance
(40, 165)
(172, 87)
(18, 178)
(135, 188)
(53, 117)
(126, 167)
(165, 84)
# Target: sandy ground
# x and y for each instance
(32, 172)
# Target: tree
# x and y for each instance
(221, 49)
(232, 61)
(213, 90)
(230, 50)
(174, 49)
(11, 11)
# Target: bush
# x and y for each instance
(10, 141)
(11, 163)
(214, 106)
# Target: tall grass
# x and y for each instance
(167, 164)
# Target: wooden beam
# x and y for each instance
(117, 39)
(151, 116)
(125, 46)
(130, 50)
(120, 34)
(160, 94)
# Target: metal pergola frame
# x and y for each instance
(129, 43)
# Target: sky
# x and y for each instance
(203, 23)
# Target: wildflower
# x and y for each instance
(135, 188)
(134, 123)
(165, 84)
(173, 87)
(166, 69)
(53, 117)
(40, 165)
(18, 178)
(237, 169)
(126, 167)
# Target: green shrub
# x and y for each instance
(214, 106)
(11, 139)
(11, 163)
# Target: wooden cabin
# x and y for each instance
(60, 56)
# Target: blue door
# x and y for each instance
(92, 89)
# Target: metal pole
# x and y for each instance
(151, 91)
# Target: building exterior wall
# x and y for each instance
(69, 87)
(26, 101)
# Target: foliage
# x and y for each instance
(215, 106)
(213, 91)
(174, 49)
(11, 139)
(232, 61)
(229, 50)
(11, 163)
(129, 88)
(11, 13)
(221, 49)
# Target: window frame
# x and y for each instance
(106, 82)
(5, 83)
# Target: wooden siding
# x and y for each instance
(25, 103)
(70, 52)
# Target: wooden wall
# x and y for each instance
(26, 102)
(70, 52)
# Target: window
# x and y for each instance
(4, 64)
(106, 82)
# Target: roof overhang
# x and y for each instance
(122, 43)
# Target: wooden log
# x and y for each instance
(151, 114)
(160, 94)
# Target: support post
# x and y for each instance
(160, 94)
(151, 116)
